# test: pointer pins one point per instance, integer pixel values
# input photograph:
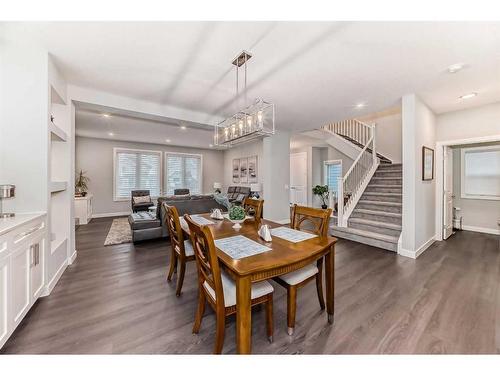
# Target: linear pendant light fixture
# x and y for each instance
(252, 122)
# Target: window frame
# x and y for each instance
(116, 150)
(326, 163)
(463, 151)
(165, 166)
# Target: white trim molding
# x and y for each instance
(420, 250)
(480, 229)
(72, 258)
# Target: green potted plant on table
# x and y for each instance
(81, 184)
(322, 192)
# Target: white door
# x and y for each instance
(298, 178)
(448, 193)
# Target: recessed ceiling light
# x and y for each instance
(468, 96)
(105, 115)
(167, 140)
(455, 68)
(360, 105)
(111, 134)
(183, 127)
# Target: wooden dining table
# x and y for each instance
(284, 257)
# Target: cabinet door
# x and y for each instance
(20, 282)
(37, 266)
(4, 302)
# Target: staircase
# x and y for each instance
(376, 218)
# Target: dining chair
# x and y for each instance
(314, 220)
(217, 288)
(182, 250)
(254, 205)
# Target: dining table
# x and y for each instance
(284, 257)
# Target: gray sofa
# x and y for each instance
(146, 225)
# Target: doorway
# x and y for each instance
(451, 179)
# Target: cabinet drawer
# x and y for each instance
(27, 232)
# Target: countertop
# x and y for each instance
(7, 224)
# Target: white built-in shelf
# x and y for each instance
(57, 186)
(56, 133)
(56, 244)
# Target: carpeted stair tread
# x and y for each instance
(375, 223)
(364, 233)
(381, 213)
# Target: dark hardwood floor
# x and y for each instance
(116, 300)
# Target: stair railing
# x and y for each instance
(353, 129)
(352, 185)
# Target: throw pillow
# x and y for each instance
(241, 197)
(143, 199)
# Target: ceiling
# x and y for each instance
(100, 122)
(315, 72)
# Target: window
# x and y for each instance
(183, 171)
(136, 170)
(480, 172)
(333, 170)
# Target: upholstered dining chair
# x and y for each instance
(182, 250)
(255, 207)
(314, 220)
(218, 288)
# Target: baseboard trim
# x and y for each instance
(111, 214)
(480, 229)
(52, 283)
(420, 250)
(72, 258)
(425, 246)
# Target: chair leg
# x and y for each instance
(199, 312)
(220, 328)
(173, 265)
(180, 276)
(319, 284)
(269, 319)
(291, 307)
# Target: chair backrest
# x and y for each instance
(315, 220)
(255, 205)
(181, 191)
(207, 262)
(139, 193)
(172, 222)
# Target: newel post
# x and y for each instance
(340, 202)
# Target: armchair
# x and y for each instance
(143, 206)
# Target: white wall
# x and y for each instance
(23, 122)
(419, 205)
(96, 157)
(477, 213)
(388, 131)
(276, 176)
(469, 123)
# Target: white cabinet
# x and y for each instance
(22, 268)
(20, 283)
(37, 250)
(83, 209)
(4, 296)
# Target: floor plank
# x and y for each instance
(116, 299)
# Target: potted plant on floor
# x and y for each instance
(81, 184)
(323, 193)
